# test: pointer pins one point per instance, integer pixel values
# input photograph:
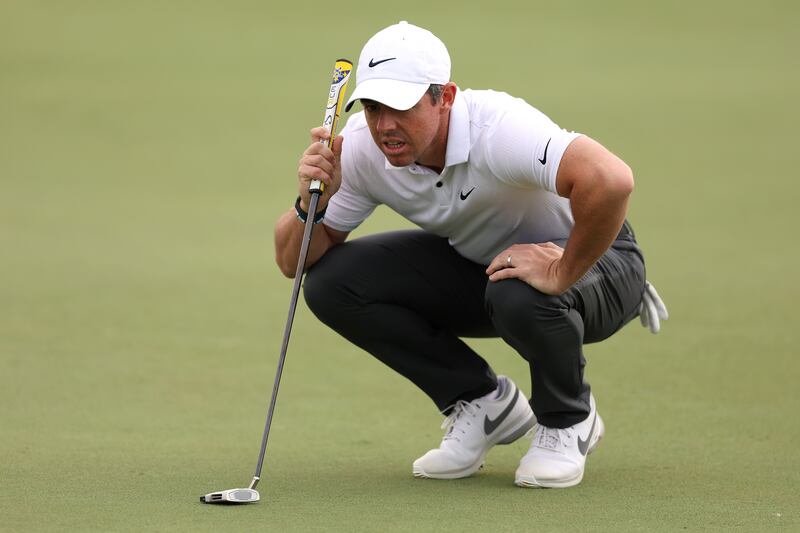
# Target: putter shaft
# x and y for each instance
(301, 263)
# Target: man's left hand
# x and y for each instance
(535, 264)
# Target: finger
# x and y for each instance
(309, 173)
(493, 267)
(319, 134)
(320, 161)
(659, 303)
(551, 245)
(499, 262)
(337, 146)
(321, 150)
(504, 273)
(313, 165)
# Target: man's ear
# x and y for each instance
(448, 95)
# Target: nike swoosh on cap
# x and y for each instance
(583, 445)
(490, 425)
(373, 63)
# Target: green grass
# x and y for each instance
(146, 149)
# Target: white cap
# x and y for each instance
(398, 64)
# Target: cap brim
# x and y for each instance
(400, 95)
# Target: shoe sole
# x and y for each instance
(420, 472)
(512, 436)
(533, 483)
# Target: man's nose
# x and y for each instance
(386, 121)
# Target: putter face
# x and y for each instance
(232, 496)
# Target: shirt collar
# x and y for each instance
(457, 138)
(458, 133)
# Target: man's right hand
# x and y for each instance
(320, 163)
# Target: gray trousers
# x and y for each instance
(407, 297)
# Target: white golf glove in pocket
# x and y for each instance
(652, 309)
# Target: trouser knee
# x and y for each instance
(323, 292)
(514, 306)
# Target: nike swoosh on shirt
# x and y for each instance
(464, 196)
(490, 425)
(583, 445)
(373, 63)
(543, 160)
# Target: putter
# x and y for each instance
(341, 74)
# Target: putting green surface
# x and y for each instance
(146, 149)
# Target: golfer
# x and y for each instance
(522, 236)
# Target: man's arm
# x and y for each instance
(598, 185)
(321, 163)
(288, 236)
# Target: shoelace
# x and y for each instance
(454, 429)
(551, 438)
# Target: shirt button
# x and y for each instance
(438, 183)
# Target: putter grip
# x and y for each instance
(341, 75)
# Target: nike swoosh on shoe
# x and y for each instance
(490, 425)
(583, 445)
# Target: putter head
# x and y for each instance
(232, 496)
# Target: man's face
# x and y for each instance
(404, 137)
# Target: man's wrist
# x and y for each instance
(567, 274)
(302, 214)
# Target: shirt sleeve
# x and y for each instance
(524, 147)
(351, 204)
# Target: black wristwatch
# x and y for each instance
(303, 216)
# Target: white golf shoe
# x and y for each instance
(557, 457)
(500, 417)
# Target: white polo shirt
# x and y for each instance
(498, 186)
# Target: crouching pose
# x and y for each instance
(522, 236)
